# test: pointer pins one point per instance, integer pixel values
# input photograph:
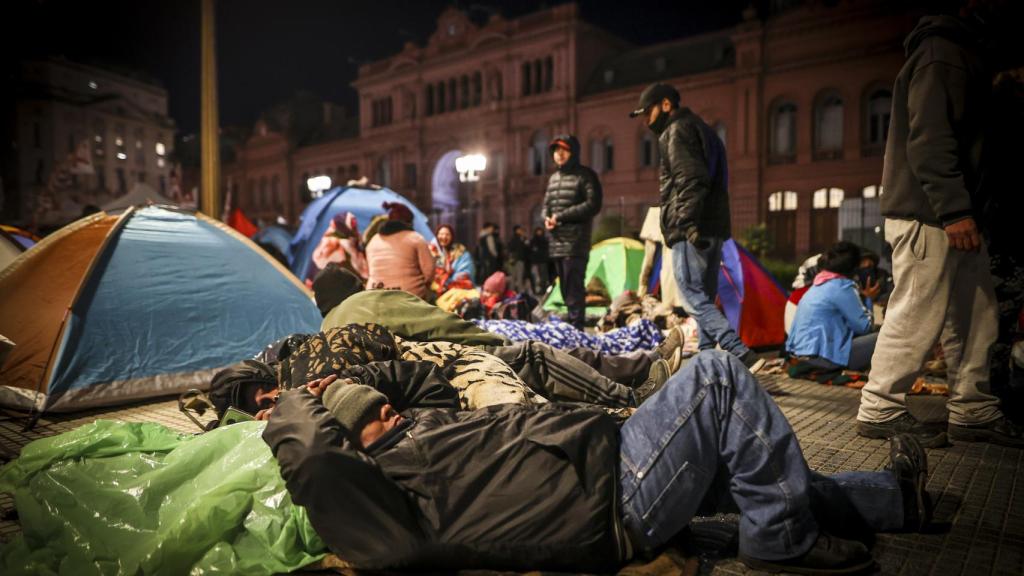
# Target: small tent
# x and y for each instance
(364, 203)
(276, 240)
(140, 195)
(14, 241)
(751, 298)
(617, 262)
(111, 309)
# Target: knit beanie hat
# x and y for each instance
(495, 283)
(398, 211)
(333, 285)
(350, 404)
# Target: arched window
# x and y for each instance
(828, 126)
(464, 92)
(537, 154)
(879, 107)
(872, 191)
(827, 198)
(782, 201)
(782, 145)
(648, 150)
(478, 88)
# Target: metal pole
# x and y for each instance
(209, 132)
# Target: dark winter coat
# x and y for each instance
(933, 153)
(694, 180)
(574, 197)
(508, 487)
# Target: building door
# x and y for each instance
(825, 204)
(782, 223)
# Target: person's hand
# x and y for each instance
(963, 235)
(317, 387)
(265, 413)
(872, 288)
(551, 222)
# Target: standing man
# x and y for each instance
(571, 201)
(932, 177)
(694, 211)
(518, 255)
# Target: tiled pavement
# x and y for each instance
(977, 488)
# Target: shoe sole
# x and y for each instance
(964, 434)
(770, 567)
(866, 430)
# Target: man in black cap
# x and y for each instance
(694, 211)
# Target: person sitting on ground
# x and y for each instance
(388, 486)
(494, 291)
(869, 273)
(399, 258)
(832, 329)
(453, 264)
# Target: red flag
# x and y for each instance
(239, 222)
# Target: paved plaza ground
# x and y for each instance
(977, 488)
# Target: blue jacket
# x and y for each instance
(827, 318)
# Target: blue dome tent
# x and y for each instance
(112, 309)
(364, 203)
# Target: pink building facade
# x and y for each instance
(801, 100)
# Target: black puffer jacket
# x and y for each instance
(694, 180)
(507, 487)
(574, 196)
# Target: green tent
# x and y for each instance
(617, 262)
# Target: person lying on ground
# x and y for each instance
(342, 301)
(832, 326)
(557, 487)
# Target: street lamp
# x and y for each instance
(470, 166)
(318, 184)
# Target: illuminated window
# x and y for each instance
(827, 198)
(782, 201)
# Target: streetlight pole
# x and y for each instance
(210, 137)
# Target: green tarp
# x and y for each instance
(139, 498)
(617, 262)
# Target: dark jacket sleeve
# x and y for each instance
(358, 511)
(936, 100)
(592, 198)
(407, 383)
(688, 180)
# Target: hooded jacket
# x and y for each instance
(933, 162)
(574, 196)
(694, 180)
(507, 487)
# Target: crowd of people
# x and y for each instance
(417, 439)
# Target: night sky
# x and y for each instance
(269, 49)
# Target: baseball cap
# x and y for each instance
(652, 95)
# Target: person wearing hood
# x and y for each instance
(572, 199)
(695, 220)
(398, 257)
(934, 189)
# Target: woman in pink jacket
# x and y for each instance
(398, 257)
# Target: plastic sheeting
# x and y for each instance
(133, 498)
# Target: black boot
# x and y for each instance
(829, 555)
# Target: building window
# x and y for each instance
(783, 201)
(526, 79)
(549, 74)
(648, 150)
(873, 191)
(827, 198)
(381, 112)
(452, 95)
(478, 88)
(464, 92)
(828, 127)
(538, 77)
(440, 97)
(430, 99)
(879, 107)
(384, 172)
(538, 156)
(609, 154)
(782, 146)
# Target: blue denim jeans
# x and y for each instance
(710, 416)
(696, 271)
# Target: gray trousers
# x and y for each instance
(939, 291)
(578, 375)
